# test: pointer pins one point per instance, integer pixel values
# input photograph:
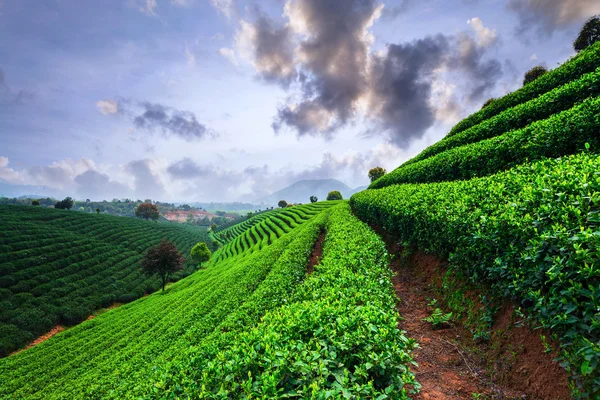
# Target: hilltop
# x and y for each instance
(301, 191)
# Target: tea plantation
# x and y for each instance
(57, 267)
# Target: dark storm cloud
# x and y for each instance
(271, 49)
(402, 86)
(146, 183)
(333, 57)
(170, 122)
(402, 82)
(546, 16)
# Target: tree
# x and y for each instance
(282, 204)
(488, 102)
(35, 203)
(249, 215)
(162, 260)
(213, 227)
(376, 173)
(534, 73)
(590, 34)
(185, 207)
(65, 204)
(147, 211)
(200, 253)
(97, 211)
(334, 195)
(313, 199)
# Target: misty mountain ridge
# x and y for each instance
(301, 191)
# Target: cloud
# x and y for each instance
(9, 97)
(8, 174)
(97, 185)
(225, 7)
(59, 174)
(485, 37)
(547, 16)
(149, 7)
(147, 182)
(157, 118)
(390, 13)
(402, 86)
(107, 107)
(333, 57)
(269, 49)
(190, 57)
(229, 55)
(187, 168)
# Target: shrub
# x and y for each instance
(488, 102)
(282, 204)
(200, 253)
(534, 73)
(334, 195)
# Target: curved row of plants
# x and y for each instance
(333, 336)
(565, 133)
(531, 233)
(584, 62)
(557, 100)
(58, 267)
(111, 357)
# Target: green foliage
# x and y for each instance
(585, 62)
(530, 233)
(97, 211)
(488, 102)
(200, 253)
(65, 204)
(147, 211)
(313, 199)
(589, 34)
(282, 204)
(376, 173)
(560, 99)
(59, 267)
(534, 73)
(562, 134)
(438, 319)
(163, 260)
(35, 203)
(334, 195)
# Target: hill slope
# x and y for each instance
(57, 267)
(301, 191)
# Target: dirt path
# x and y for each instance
(446, 369)
(316, 253)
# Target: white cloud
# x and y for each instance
(485, 37)
(225, 7)
(8, 174)
(149, 7)
(107, 107)
(533, 57)
(190, 56)
(229, 55)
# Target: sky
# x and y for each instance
(227, 100)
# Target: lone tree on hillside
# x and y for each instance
(313, 199)
(213, 226)
(590, 34)
(376, 173)
(147, 211)
(534, 73)
(97, 211)
(200, 253)
(162, 260)
(334, 195)
(282, 204)
(35, 203)
(65, 204)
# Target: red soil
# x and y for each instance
(43, 338)
(316, 254)
(451, 366)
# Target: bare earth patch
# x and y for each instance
(316, 253)
(451, 365)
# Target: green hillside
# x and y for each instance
(510, 198)
(57, 267)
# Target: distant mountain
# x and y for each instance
(8, 190)
(301, 191)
